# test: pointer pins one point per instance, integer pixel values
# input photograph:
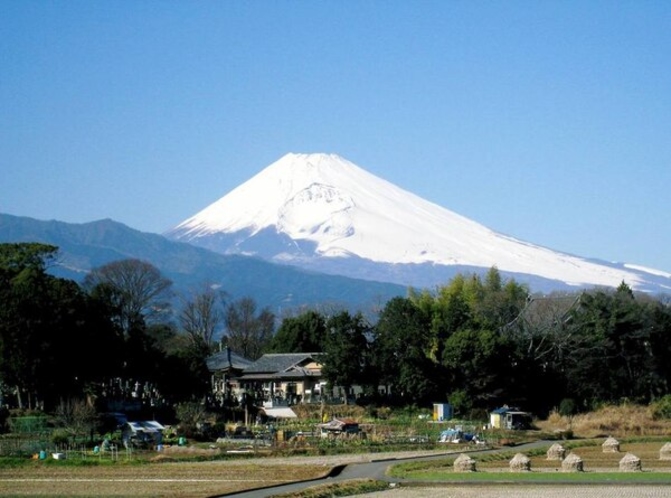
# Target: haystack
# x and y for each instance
(464, 463)
(611, 445)
(520, 463)
(556, 452)
(572, 463)
(630, 463)
(665, 452)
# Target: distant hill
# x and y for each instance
(281, 288)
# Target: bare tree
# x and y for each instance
(135, 287)
(201, 316)
(77, 417)
(543, 326)
(246, 332)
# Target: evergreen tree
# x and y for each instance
(402, 345)
(345, 362)
(305, 333)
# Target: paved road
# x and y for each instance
(374, 469)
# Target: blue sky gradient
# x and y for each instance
(548, 121)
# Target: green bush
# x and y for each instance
(567, 407)
(662, 408)
(461, 402)
(60, 437)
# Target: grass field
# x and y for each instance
(598, 466)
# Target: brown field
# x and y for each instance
(184, 480)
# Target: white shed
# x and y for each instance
(142, 433)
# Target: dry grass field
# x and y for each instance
(621, 421)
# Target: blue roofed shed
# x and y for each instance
(509, 418)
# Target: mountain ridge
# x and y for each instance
(279, 287)
(322, 212)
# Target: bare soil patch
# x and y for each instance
(184, 480)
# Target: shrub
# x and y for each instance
(60, 437)
(567, 407)
(461, 402)
(662, 408)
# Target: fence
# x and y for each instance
(42, 448)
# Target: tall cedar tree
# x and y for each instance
(345, 360)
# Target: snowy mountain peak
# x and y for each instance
(321, 210)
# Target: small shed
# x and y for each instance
(336, 427)
(442, 411)
(142, 433)
(509, 418)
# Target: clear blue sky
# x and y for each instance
(546, 120)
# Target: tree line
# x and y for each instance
(477, 342)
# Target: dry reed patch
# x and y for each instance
(169, 480)
(620, 421)
(316, 412)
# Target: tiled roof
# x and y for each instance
(507, 409)
(220, 361)
(339, 423)
(279, 362)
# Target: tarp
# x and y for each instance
(146, 426)
(280, 412)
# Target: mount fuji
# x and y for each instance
(322, 212)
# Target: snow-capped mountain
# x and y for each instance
(322, 212)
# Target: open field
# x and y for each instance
(202, 479)
(170, 477)
(167, 479)
(596, 463)
(184, 480)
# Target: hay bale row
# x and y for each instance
(628, 463)
(570, 463)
